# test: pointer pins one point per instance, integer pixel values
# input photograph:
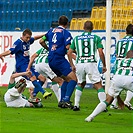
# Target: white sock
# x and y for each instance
(78, 94)
(99, 108)
(102, 96)
(114, 102)
(59, 93)
(129, 96)
(55, 88)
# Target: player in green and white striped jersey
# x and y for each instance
(86, 46)
(123, 46)
(42, 67)
(123, 79)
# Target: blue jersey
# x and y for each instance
(21, 51)
(58, 39)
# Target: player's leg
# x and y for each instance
(127, 103)
(81, 76)
(99, 108)
(78, 93)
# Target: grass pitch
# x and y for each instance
(51, 119)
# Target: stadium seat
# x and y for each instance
(73, 23)
(96, 24)
(79, 25)
(113, 12)
(116, 24)
(94, 12)
(101, 12)
(102, 25)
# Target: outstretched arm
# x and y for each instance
(8, 52)
(15, 75)
(42, 42)
(38, 37)
(33, 57)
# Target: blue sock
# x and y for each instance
(63, 90)
(41, 83)
(70, 88)
(37, 88)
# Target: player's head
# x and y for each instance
(26, 35)
(63, 21)
(88, 26)
(129, 54)
(21, 83)
(129, 29)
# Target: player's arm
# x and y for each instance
(42, 42)
(15, 75)
(102, 57)
(38, 37)
(32, 59)
(8, 52)
(70, 57)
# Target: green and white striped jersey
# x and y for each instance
(42, 56)
(86, 46)
(125, 67)
(123, 46)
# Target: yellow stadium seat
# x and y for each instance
(79, 24)
(94, 12)
(123, 24)
(119, 13)
(102, 25)
(73, 23)
(96, 24)
(101, 12)
(116, 24)
(113, 12)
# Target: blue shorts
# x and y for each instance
(60, 66)
(23, 69)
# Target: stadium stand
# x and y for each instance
(39, 15)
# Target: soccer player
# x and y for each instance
(86, 46)
(59, 42)
(21, 49)
(123, 46)
(42, 67)
(13, 96)
(124, 73)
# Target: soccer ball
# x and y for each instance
(38, 105)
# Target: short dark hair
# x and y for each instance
(129, 29)
(88, 25)
(63, 20)
(27, 31)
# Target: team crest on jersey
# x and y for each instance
(24, 47)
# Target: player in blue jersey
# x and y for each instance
(59, 42)
(21, 49)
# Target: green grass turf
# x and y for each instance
(51, 119)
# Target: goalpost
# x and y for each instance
(108, 42)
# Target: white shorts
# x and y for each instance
(18, 102)
(119, 83)
(87, 69)
(44, 69)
